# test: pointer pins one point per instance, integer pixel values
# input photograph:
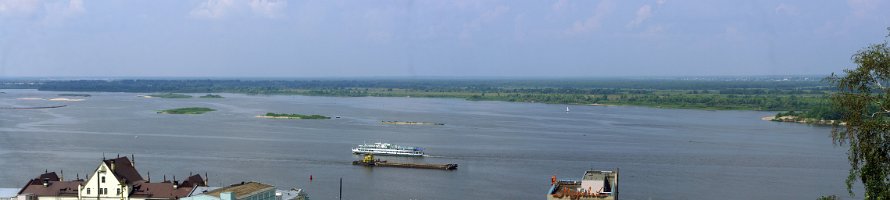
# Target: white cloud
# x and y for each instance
(593, 22)
(212, 9)
(59, 11)
(863, 7)
(642, 14)
(559, 5)
(268, 8)
(487, 16)
(218, 9)
(18, 7)
(52, 12)
(786, 9)
(661, 2)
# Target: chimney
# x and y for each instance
(62, 178)
(133, 160)
(112, 165)
(149, 176)
(206, 179)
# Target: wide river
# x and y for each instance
(505, 150)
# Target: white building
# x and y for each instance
(113, 179)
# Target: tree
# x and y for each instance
(864, 101)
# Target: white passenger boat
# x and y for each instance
(387, 149)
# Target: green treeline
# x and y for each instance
(170, 96)
(766, 93)
(188, 110)
(297, 116)
(212, 96)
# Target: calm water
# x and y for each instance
(505, 150)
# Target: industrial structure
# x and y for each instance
(594, 185)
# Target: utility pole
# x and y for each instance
(341, 188)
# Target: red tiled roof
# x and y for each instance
(192, 181)
(124, 170)
(160, 190)
(53, 188)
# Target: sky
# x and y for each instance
(461, 38)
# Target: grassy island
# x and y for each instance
(292, 116)
(822, 115)
(189, 110)
(75, 95)
(169, 96)
(212, 96)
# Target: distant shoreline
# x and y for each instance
(411, 123)
(801, 120)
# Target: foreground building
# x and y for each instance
(113, 179)
(246, 191)
(594, 185)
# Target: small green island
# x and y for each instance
(189, 110)
(212, 96)
(75, 95)
(820, 115)
(291, 116)
(168, 96)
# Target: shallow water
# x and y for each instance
(505, 150)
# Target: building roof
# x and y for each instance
(193, 181)
(573, 189)
(124, 170)
(242, 190)
(160, 190)
(202, 189)
(53, 188)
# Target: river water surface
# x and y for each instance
(505, 150)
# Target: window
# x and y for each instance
(103, 179)
(118, 191)
(104, 190)
(88, 190)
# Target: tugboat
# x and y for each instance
(387, 149)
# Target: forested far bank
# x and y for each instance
(769, 94)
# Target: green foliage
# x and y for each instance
(297, 116)
(170, 96)
(818, 112)
(188, 110)
(768, 93)
(865, 101)
(212, 96)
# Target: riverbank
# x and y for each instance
(291, 116)
(189, 110)
(166, 96)
(758, 93)
(802, 120)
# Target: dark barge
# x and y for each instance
(369, 161)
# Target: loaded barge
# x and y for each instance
(369, 161)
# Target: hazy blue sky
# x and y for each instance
(261, 38)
